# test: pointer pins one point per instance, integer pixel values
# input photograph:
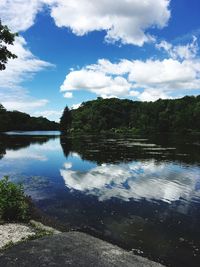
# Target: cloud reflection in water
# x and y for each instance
(137, 180)
(24, 154)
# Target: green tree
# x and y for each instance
(65, 120)
(6, 38)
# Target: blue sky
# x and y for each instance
(76, 50)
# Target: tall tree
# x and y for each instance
(6, 38)
(66, 120)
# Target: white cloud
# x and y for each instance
(126, 21)
(152, 94)
(149, 79)
(22, 68)
(19, 99)
(181, 52)
(19, 15)
(68, 95)
(23, 105)
(13, 96)
(167, 73)
(75, 106)
(49, 114)
(97, 82)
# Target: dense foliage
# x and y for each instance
(15, 120)
(122, 115)
(13, 203)
(6, 38)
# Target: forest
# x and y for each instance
(170, 115)
(19, 121)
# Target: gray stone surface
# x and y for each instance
(71, 249)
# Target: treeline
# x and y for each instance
(19, 121)
(177, 115)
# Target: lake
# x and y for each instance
(141, 193)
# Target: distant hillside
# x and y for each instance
(19, 121)
(177, 115)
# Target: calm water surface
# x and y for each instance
(141, 193)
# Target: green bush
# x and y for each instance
(13, 202)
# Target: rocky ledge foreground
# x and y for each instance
(72, 249)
